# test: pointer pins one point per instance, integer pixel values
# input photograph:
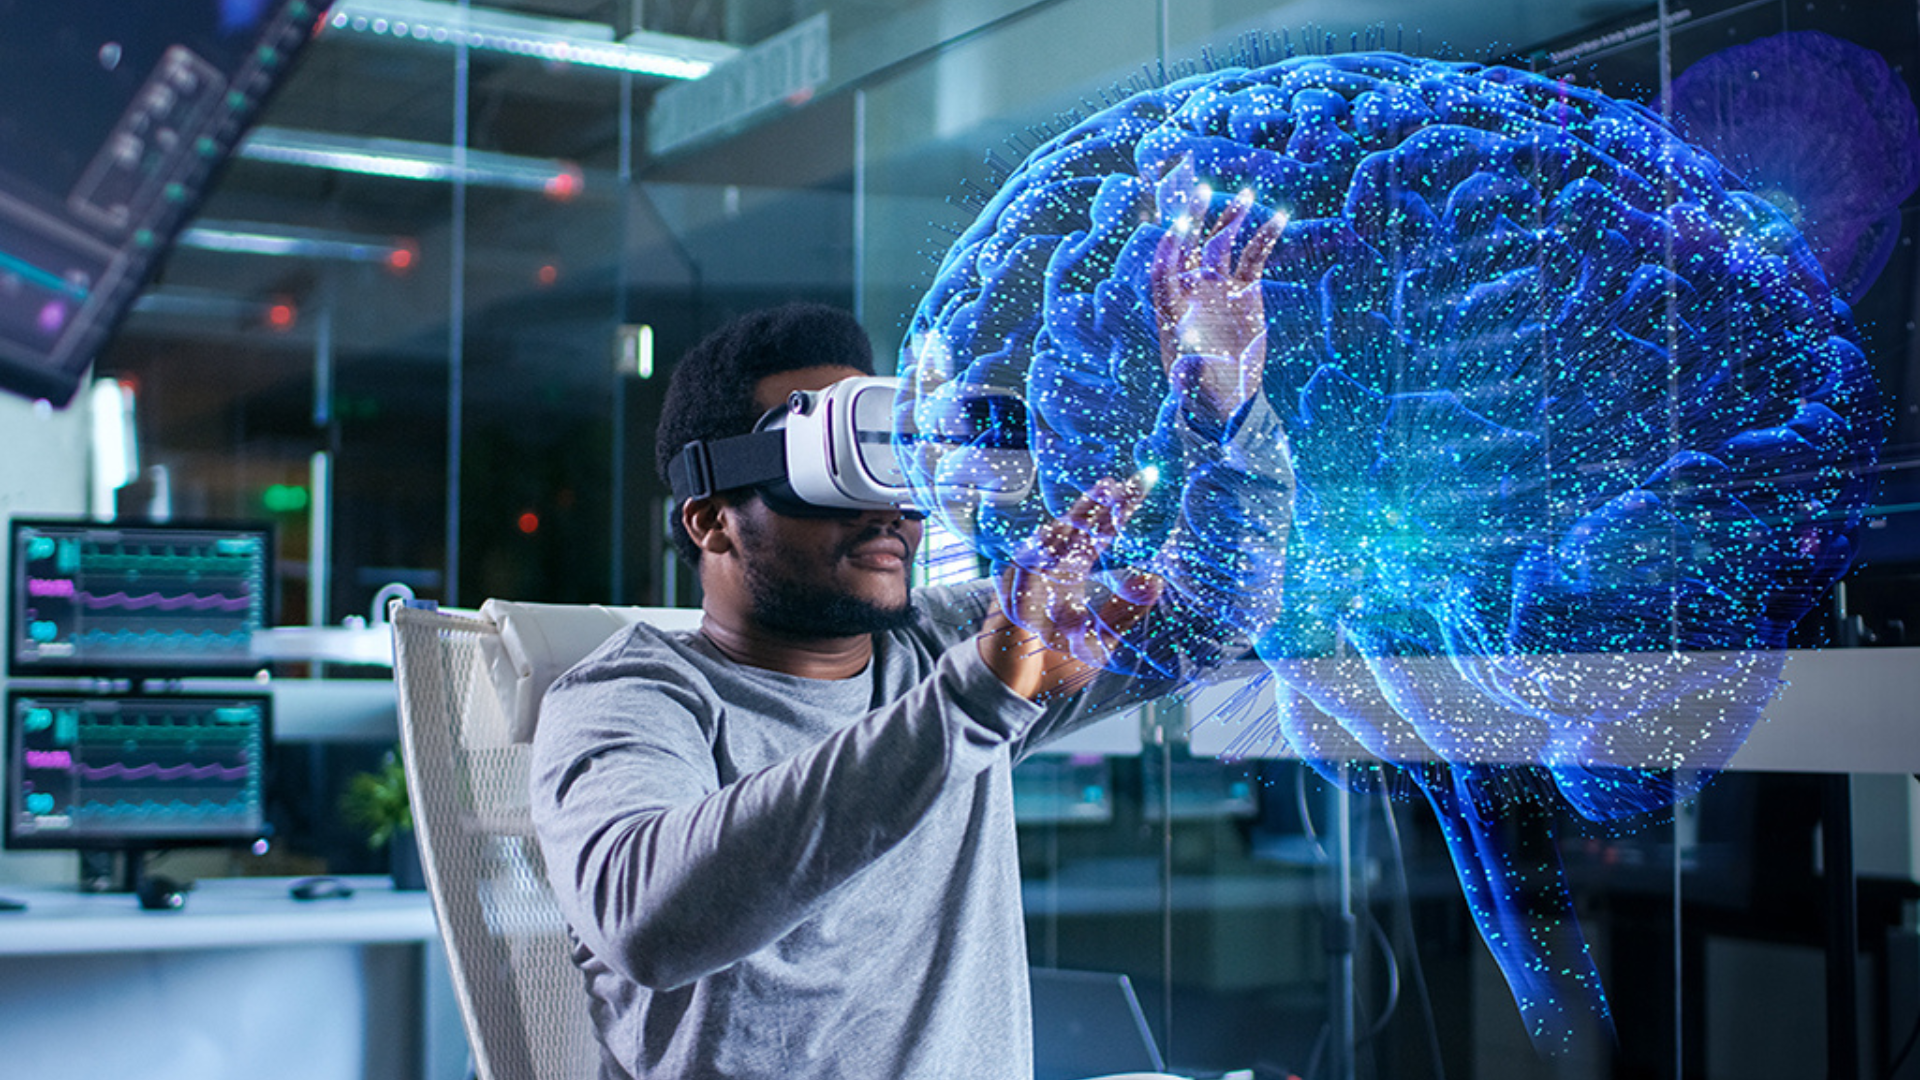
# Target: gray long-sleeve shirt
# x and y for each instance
(771, 875)
(775, 876)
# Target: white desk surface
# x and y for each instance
(220, 913)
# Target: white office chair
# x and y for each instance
(470, 684)
(469, 691)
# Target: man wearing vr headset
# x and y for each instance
(785, 844)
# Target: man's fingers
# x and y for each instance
(1218, 253)
(1253, 258)
(1057, 640)
(1168, 263)
(1131, 602)
(1141, 588)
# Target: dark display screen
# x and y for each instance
(118, 115)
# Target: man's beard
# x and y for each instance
(796, 606)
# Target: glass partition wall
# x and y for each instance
(445, 374)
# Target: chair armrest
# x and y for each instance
(537, 643)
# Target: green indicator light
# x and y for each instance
(143, 238)
(284, 498)
(175, 193)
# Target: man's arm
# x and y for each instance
(668, 874)
(1224, 560)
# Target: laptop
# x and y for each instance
(1088, 1023)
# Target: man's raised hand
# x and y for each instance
(1043, 639)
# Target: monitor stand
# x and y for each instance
(118, 870)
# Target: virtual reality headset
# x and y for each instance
(834, 451)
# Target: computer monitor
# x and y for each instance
(119, 113)
(132, 601)
(135, 772)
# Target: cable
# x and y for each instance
(1393, 979)
(1303, 775)
(1399, 862)
(1313, 1059)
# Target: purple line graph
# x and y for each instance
(163, 602)
(155, 771)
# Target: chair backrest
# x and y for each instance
(469, 688)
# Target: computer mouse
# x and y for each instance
(320, 888)
(160, 893)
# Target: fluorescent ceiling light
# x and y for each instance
(571, 41)
(294, 242)
(201, 304)
(408, 160)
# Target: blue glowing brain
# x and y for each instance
(1578, 431)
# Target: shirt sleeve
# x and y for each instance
(1224, 558)
(1228, 548)
(667, 873)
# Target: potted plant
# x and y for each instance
(377, 802)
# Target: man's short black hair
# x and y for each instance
(711, 394)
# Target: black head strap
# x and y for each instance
(703, 468)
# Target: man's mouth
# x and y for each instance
(879, 553)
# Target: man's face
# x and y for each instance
(828, 576)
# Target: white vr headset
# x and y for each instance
(833, 451)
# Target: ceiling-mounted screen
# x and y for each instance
(117, 115)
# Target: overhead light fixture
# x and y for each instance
(290, 241)
(570, 41)
(206, 304)
(408, 160)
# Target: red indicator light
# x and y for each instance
(564, 184)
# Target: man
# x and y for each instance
(785, 844)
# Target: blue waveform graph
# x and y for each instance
(146, 643)
(184, 813)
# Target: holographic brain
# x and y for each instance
(1578, 431)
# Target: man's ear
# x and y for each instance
(707, 525)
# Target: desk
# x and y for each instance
(243, 982)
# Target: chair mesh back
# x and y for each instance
(524, 1002)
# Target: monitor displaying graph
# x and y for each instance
(131, 601)
(132, 772)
